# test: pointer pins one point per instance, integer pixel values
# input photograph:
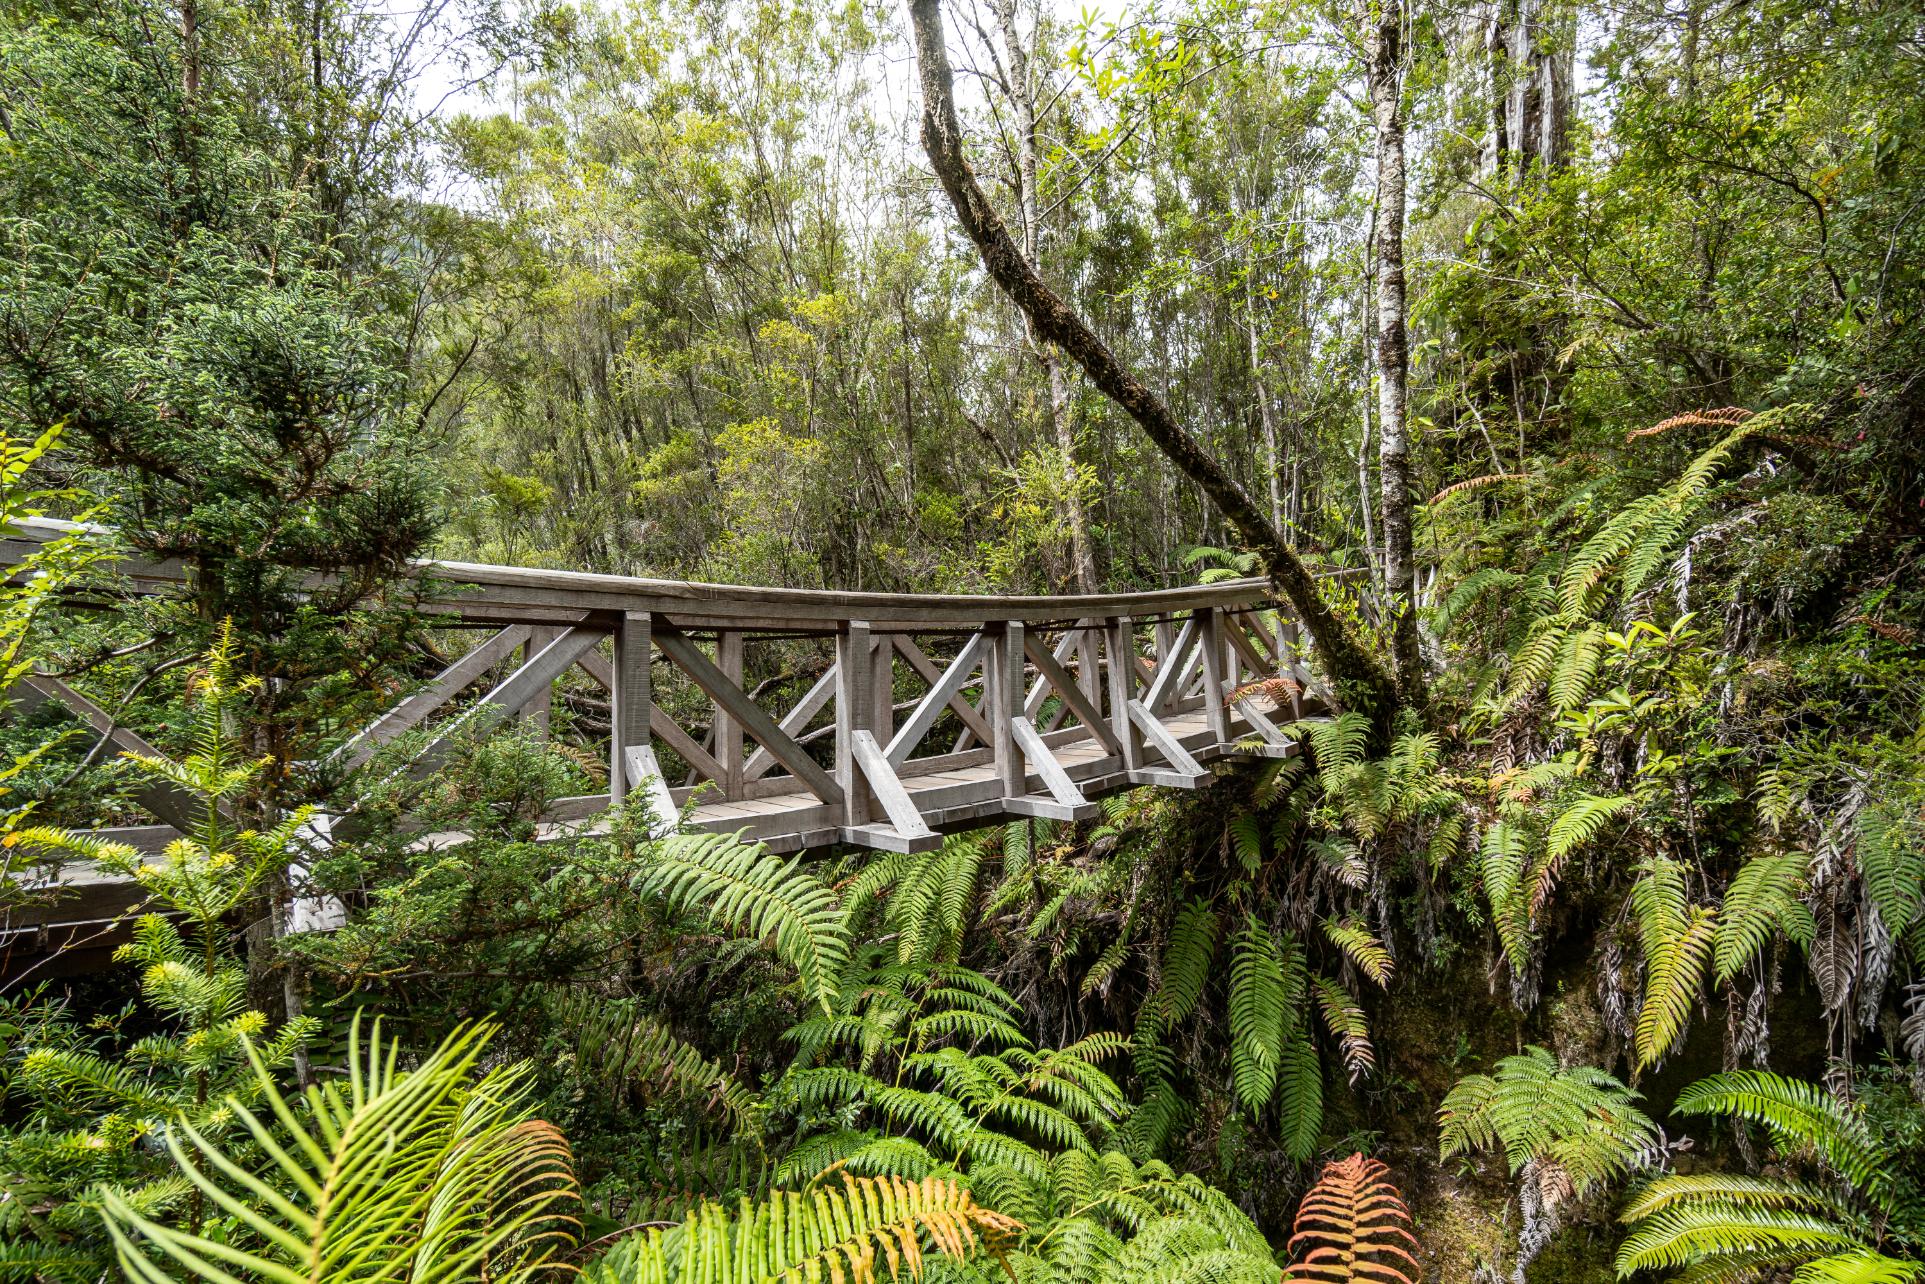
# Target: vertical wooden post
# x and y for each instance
(1089, 664)
(728, 728)
(1121, 650)
(1216, 713)
(1289, 663)
(1006, 696)
(536, 710)
(882, 687)
(629, 700)
(1165, 640)
(855, 708)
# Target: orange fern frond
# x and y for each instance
(1355, 1227)
(1722, 417)
(1489, 479)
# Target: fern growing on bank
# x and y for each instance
(1835, 1231)
(1565, 1133)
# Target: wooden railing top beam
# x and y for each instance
(505, 595)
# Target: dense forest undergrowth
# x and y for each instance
(1558, 363)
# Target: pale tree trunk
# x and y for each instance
(1384, 55)
(1266, 413)
(1360, 680)
(190, 51)
(1022, 95)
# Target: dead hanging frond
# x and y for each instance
(1476, 483)
(1721, 417)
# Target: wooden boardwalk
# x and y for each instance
(921, 713)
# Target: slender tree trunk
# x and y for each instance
(1384, 57)
(1022, 93)
(1360, 681)
(190, 51)
(1266, 413)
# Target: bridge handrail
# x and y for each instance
(518, 592)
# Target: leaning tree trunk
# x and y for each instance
(1383, 23)
(1022, 93)
(1361, 682)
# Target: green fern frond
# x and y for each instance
(1579, 1117)
(1345, 1022)
(1798, 1115)
(1761, 900)
(870, 1229)
(388, 1174)
(740, 885)
(618, 1043)
(1683, 1235)
(1187, 959)
(1579, 822)
(1860, 1266)
(1361, 946)
(1677, 939)
(1260, 1011)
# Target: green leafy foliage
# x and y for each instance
(1676, 937)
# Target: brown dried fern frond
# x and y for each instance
(1890, 632)
(1475, 483)
(1720, 417)
(1357, 1229)
(1278, 691)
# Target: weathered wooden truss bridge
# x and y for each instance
(925, 712)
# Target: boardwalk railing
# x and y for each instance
(923, 712)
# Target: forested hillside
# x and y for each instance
(1553, 371)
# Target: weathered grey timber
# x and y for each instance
(1045, 704)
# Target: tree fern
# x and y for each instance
(1352, 1228)
(742, 887)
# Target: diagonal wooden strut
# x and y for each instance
(888, 791)
(1071, 692)
(758, 724)
(1188, 773)
(973, 720)
(412, 711)
(944, 693)
(537, 674)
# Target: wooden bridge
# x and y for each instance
(921, 713)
